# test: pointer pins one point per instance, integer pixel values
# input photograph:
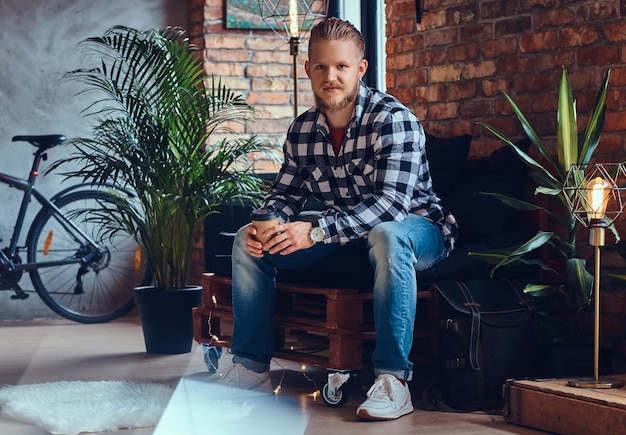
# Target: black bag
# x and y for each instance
(487, 334)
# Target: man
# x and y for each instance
(361, 153)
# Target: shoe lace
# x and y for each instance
(381, 390)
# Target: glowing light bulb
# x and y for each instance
(293, 18)
(597, 193)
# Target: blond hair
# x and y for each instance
(333, 29)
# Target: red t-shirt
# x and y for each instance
(336, 139)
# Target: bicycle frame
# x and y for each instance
(28, 187)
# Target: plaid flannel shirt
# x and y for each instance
(381, 173)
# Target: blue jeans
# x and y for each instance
(396, 251)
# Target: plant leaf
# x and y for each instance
(567, 130)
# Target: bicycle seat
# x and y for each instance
(42, 142)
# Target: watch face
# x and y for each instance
(317, 234)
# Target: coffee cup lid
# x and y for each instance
(263, 214)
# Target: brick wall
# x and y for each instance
(450, 67)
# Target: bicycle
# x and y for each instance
(78, 271)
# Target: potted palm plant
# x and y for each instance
(160, 132)
(567, 288)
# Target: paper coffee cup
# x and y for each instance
(262, 219)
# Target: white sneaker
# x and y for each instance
(237, 376)
(388, 399)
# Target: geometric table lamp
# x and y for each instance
(290, 20)
(595, 194)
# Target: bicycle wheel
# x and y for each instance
(94, 292)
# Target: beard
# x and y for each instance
(329, 105)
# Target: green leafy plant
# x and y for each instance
(155, 119)
(569, 291)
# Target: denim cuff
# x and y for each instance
(405, 375)
(250, 364)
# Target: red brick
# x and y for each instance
(440, 37)
(497, 9)
(265, 57)
(398, 28)
(402, 79)
(461, 91)
(443, 111)
(268, 43)
(598, 11)
(540, 41)
(399, 9)
(524, 102)
(401, 61)
(505, 125)
(417, 76)
(513, 26)
(405, 95)
(527, 5)
(492, 88)
(611, 145)
(221, 42)
(445, 73)
(430, 93)
(408, 43)
(476, 108)
(267, 71)
(478, 70)
(615, 31)
(553, 17)
(544, 102)
(275, 98)
(238, 56)
(271, 84)
(430, 57)
(464, 14)
(432, 20)
(535, 83)
(463, 52)
(554, 59)
(594, 56)
(579, 35)
(476, 32)
(224, 69)
(615, 121)
(618, 76)
(499, 47)
(515, 65)
(463, 126)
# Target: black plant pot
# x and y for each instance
(166, 318)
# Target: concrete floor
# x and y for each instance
(55, 350)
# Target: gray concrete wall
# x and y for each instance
(37, 46)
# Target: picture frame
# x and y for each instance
(243, 15)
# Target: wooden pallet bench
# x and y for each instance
(337, 318)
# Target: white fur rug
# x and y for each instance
(72, 407)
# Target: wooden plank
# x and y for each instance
(552, 406)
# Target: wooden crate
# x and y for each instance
(337, 320)
(552, 406)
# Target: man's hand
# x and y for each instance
(285, 239)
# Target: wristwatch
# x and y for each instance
(316, 234)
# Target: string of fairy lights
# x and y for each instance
(216, 341)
